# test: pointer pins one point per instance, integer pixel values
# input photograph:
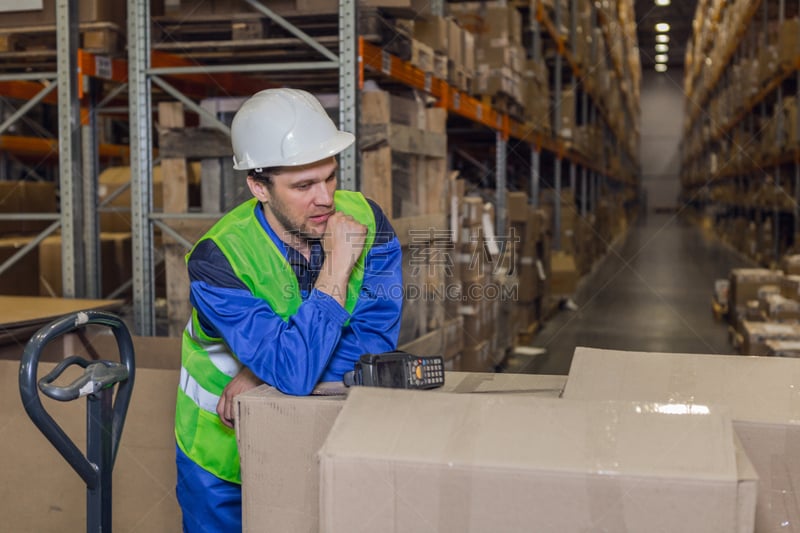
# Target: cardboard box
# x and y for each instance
(115, 259)
(492, 22)
(41, 493)
(564, 275)
(432, 30)
(783, 348)
(112, 179)
(468, 52)
(756, 334)
(279, 436)
(788, 42)
(761, 393)
(790, 286)
(517, 203)
(410, 461)
(455, 43)
(21, 278)
(26, 197)
(745, 283)
(780, 308)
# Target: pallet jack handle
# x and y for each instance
(105, 414)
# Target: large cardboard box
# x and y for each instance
(41, 493)
(279, 436)
(761, 393)
(408, 461)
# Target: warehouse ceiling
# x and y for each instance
(679, 15)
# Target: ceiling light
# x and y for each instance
(661, 58)
(662, 27)
(662, 2)
(660, 67)
(662, 38)
(661, 48)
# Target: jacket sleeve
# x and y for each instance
(291, 355)
(374, 326)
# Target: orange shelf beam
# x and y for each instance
(43, 147)
(459, 103)
(25, 90)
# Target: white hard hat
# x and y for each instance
(284, 127)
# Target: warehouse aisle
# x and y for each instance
(652, 293)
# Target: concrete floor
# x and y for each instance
(651, 292)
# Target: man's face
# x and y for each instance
(300, 199)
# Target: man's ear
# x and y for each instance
(258, 189)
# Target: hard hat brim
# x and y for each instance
(336, 144)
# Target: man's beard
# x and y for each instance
(300, 231)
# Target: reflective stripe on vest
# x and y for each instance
(205, 400)
(207, 363)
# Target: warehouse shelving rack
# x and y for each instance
(78, 150)
(592, 107)
(146, 68)
(720, 170)
(142, 75)
(79, 248)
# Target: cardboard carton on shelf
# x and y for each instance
(43, 12)
(26, 197)
(453, 463)
(760, 393)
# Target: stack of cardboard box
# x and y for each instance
(404, 170)
(403, 159)
(764, 309)
(499, 55)
(533, 260)
(475, 266)
(536, 96)
(453, 48)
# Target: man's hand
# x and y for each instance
(242, 382)
(343, 241)
(343, 244)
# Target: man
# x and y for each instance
(289, 289)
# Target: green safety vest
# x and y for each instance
(207, 363)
